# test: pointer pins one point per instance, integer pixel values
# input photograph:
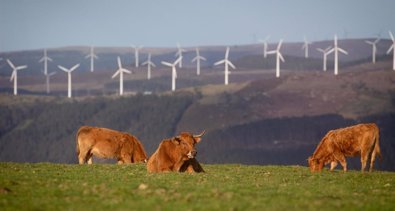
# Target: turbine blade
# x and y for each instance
(119, 62)
(369, 42)
(281, 57)
(41, 60)
(279, 44)
(389, 50)
(230, 64)
(343, 51)
(220, 62)
(63, 68)
(178, 60)
(74, 67)
(10, 63)
(21, 67)
(319, 49)
(144, 63)
(51, 74)
(12, 75)
(330, 51)
(227, 53)
(49, 59)
(167, 64)
(271, 52)
(126, 71)
(116, 73)
(202, 58)
(152, 64)
(392, 36)
(194, 59)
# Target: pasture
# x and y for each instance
(46, 186)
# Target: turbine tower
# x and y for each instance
(306, 48)
(149, 63)
(120, 72)
(48, 76)
(324, 56)
(92, 56)
(45, 59)
(179, 54)
(265, 46)
(173, 72)
(68, 71)
(136, 54)
(336, 50)
(374, 48)
(14, 75)
(392, 48)
(197, 60)
(279, 57)
(226, 62)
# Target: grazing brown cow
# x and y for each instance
(361, 139)
(107, 143)
(176, 154)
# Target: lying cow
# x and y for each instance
(361, 139)
(176, 154)
(106, 143)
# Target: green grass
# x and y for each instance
(45, 186)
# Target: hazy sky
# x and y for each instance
(33, 24)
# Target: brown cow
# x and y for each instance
(176, 154)
(107, 143)
(361, 139)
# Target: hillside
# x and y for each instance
(223, 187)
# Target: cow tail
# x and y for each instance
(77, 146)
(377, 145)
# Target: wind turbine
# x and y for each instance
(136, 54)
(336, 50)
(197, 59)
(173, 72)
(324, 55)
(149, 63)
(68, 71)
(179, 54)
(14, 75)
(306, 48)
(92, 56)
(279, 57)
(374, 48)
(392, 48)
(226, 62)
(265, 45)
(48, 76)
(120, 72)
(45, 59)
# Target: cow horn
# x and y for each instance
(200, 135)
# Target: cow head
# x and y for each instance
(186, 144)
(315, 164)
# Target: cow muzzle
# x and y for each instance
(192, 154)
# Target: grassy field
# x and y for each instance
(45, 186)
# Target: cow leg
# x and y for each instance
(89, 158)
(372, 159)
(340, 157)
(82, 157)
(333, 165)
(364, 159)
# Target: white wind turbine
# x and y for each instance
(226, 62)
(136, 54)
(197, 60)
(92, 56)
(68, 71)
(179, 54)
(149, 63)
(279, 57)
(392, 48)
(173, 72)
(48, 76)
(374, 48)
(120, 72)
(265, 45)
(14, 75)
(306, 48)
(324, 55)
(336, 50)
(45, 59)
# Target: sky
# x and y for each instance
(36, 24)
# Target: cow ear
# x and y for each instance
(176, 140)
